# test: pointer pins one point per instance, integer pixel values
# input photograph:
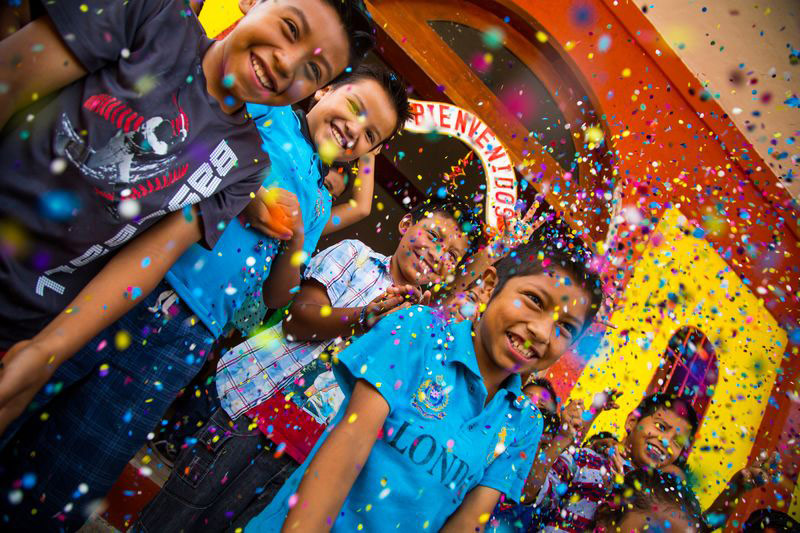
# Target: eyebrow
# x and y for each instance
(305, 31)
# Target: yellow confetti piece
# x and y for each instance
(267, 123)
(569, 45)
(325, 310)
(482, 519)
(328, 151)
(44, 416)
(352, 418)
(122, 340)
(541, 36)
(298, 258)
(84, 8)
(594, 135)
(626, 72)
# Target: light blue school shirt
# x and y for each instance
(214, 283)
(439, 440)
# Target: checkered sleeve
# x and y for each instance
(558, 478)
(334, 267)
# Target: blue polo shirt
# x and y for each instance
(217, 282)
(440, 438)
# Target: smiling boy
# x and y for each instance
(435, 427)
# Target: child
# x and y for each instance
(168, 338)
(139, 118)
(434, 427)
(650, 501)
(354, 284)
(659, 432)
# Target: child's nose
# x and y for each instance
(284, 65)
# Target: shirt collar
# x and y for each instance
(462, 350)
(302, 118)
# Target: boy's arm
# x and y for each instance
(30, 75)
(474, 511)
(29, 364)
(360, 205)
(337, 463)
(765, 469)
(284, 276)
(547, 494)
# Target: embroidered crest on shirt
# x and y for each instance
(431, 398)
(500, 447)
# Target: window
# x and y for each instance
(690, 368)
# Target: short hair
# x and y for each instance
(545, 384)
(359, 28)
(458, 210)
(395, 88)
(761, 519)
(600, 435)
(642, 490)
(553, 245)
(680, 405)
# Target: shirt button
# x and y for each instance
(472, 388)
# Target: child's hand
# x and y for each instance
(274, 212)
(394, 299)
(513, 231)
(764, 469)
(24, 370)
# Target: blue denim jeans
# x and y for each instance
(67, 451)
(221, 482)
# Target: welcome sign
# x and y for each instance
(447, 119)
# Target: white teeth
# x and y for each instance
(338, 137)
(520, 347)
(262, 78)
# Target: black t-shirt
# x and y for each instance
(87, 169)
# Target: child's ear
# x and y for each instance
(488, 283)
(246, 5)
(322, 92)
(631, 422)
(406, 222)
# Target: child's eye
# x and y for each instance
(569, 328)
(535, 299)
(293, 31)
(371, 138)
(433, 236)
(354, 107)
(316, 73)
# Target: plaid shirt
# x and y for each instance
(353, 275)
(576, 485)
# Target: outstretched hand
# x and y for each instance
(513, 230)
(394, 299)
(25, 369)
(764, 469)
(275, 212)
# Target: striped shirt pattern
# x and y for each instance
(353, 275)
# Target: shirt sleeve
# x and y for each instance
(510, 469)
(412, 332)
(218, 210)
(98, 31)
(334, 267)
(314, 230)
(558, 479)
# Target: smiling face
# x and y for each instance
(350, 120)
(334, 182)
(657, 440)
(660, 519)
(281, 52)
(429, 250)
(541, 397)
(531, 322)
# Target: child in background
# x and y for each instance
(650, 501)
(435, 427)
(194, 302)
(139, 118)
(659, 432)
(280, 388)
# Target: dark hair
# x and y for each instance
(359, 28)
(600, 435)
(641, 491)
(546, 385)
(553, 245)
(465, 216)
(394, 86)
(761, 519)
(680, 405)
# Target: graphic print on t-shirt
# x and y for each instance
(141, 149)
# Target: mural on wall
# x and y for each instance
(681, 282)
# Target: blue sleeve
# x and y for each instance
(313, 230)
(511, 467)
(392, 354)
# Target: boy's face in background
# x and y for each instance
(541, 397)
(657, 440)
(661, 519)
(281, 51)
(430, 249)
(532, 321)
(350, 120)
(334, 182)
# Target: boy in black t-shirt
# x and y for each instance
(126, 113)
